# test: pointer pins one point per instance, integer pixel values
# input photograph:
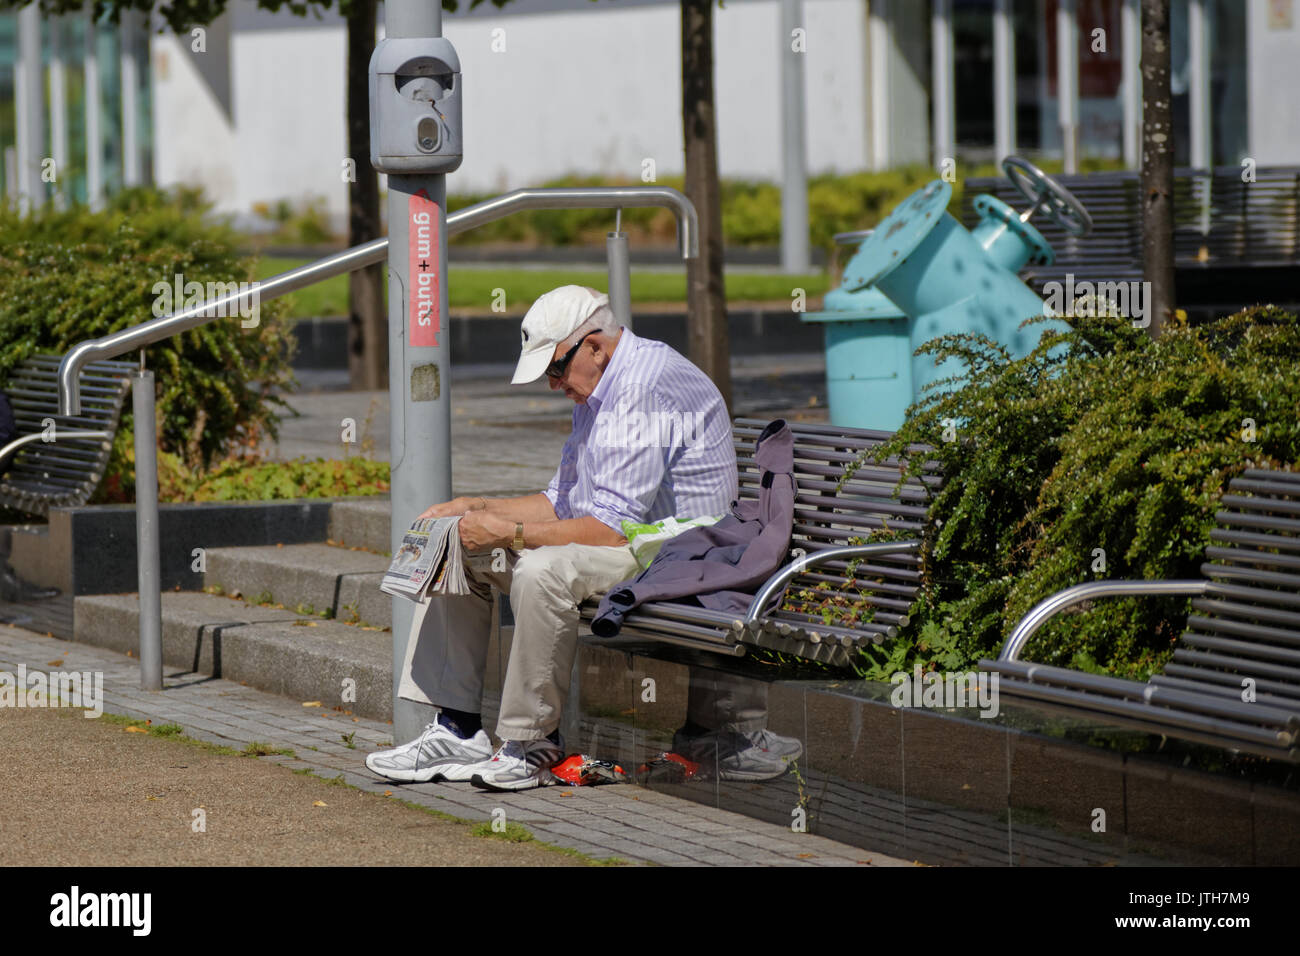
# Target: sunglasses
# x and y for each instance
(557, 368)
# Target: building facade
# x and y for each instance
(252, 106)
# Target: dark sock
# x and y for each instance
(461, 723)
(692, 729)
(554, 736)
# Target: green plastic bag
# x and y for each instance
(645, 540)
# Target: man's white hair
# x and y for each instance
(601, 320)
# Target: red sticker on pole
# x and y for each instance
(422, 243)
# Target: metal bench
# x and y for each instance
(1220, 223)
(64, 471)
(878, 582)
(1234, 680)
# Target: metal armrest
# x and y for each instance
(17, 443)
(799, 565)
(1045, 609)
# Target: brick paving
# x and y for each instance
(624, 821)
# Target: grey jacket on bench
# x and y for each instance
(722, 564)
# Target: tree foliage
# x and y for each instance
(1102, 454)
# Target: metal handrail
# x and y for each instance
(370, 253)
(799, 565)
(586, 197)
(1048, 607)
(367, 254)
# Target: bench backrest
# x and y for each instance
(1248, 624)
(1218, 220)
(66, 471)
(831, 517)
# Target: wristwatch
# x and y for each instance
(518, 543)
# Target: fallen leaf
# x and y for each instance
(136, 730)
(388, 793)
(311, 703)
(804, 856)
(319, 803)
(57, 663)
(566, 793)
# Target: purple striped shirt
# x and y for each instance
(652, 441)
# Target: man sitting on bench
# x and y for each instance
(651, 439)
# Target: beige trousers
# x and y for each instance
(446, 653)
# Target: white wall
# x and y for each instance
(193, 141)
(594, 90)
(1273, 86)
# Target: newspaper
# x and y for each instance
(430, 560)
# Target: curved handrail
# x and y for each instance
(367, 254)
(799, 565)
(1046, 608)
(586, 197)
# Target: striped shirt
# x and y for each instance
(652, 441)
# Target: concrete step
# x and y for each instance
(362, 523)
(312, 579)
(306, 659)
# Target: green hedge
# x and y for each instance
(1115, 446)
(69, 276)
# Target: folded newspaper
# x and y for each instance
(429, 561)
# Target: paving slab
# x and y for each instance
(613, 821)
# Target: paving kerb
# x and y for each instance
(593, 822)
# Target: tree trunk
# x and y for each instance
(367, 323)
(706, 301)
(1157, 165)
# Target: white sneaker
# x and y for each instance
(437, 754)
(788, 749)
(518, 765)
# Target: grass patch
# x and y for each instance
(513, 832)
(168, 732)
(476, 288)
(257, 748)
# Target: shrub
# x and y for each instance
(1110, 441)
(74, 275)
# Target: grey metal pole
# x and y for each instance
(1067, 82)
(794, 160)
(29, 96)
(146, 530)
(129, 66)
(94, 144)
(419, 360)
(620, 276)
(1004, 80)
(58, 112)
(1131, 83)
(941, 82)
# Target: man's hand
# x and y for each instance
(452, 509)
(481, 531)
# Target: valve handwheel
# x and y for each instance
(1046, 194)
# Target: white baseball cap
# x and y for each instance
(552, 319)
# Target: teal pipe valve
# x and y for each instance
(920, 274)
